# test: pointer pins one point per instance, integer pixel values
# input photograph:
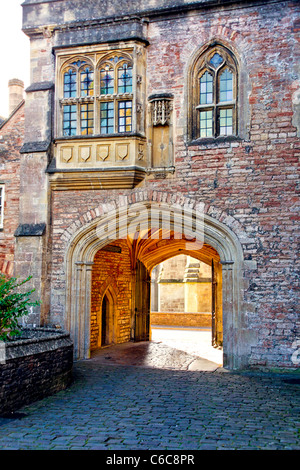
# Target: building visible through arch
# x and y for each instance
(181, 293)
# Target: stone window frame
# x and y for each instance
(95, 98)
(202, 66)
(242, 116)
(2, 201)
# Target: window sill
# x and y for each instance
(99, 136)
(214, 140)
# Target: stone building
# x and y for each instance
(181, 293)
(11, 140)
(159, 128)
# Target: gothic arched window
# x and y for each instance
(78, 85)
(213, 111)
(96, 98)
(116, 95)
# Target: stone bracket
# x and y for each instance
(30, 230)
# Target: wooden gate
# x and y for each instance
(214, 305)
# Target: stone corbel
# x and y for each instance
(48, 31)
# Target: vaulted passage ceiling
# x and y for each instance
(152, 248)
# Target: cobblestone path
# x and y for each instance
(122, 407)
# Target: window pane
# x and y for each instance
(216, 60)
(107, 117)
(70, 84)
(124, 116)
(86, 119)
(206, 89)
(226, 122)
(106, 81)
(69, 120)
(206, 123)
(125, 79)
(226, 86)
(87, 82)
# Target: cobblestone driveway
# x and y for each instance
(133, 407)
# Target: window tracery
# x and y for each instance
(97, 98)
(213, 110)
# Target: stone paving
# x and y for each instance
(120, 402)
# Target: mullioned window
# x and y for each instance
(213, 109)
(97, 100)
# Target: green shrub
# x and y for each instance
(13, 306)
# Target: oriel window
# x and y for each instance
(97, 98)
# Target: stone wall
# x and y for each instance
(33, 368)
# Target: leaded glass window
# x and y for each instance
(87, 118)
(206, 88)
(70, 120)
(206, 123)
(216, 60)
(215, 94)
(107, 117)
(226, 121)
(87, 82)
(125, 79)
(125, 116)
(70, 84)
(226, 86)
(107, 81)
(116, 79)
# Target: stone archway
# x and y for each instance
(79, 261)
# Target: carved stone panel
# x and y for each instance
(122, 151)
(85, 153)
(103, 152)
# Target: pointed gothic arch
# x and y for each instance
(79, 261)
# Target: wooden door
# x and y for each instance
(104, 321)
(214, 305)
(142, 303)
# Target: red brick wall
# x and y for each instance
(11, 140)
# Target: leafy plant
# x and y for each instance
(13, 305)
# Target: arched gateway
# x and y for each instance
(150, 246)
